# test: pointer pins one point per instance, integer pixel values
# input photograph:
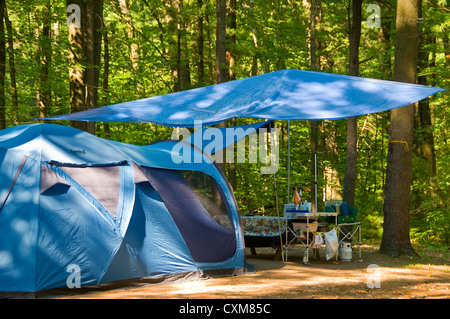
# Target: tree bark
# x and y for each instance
(314, 16)
(426, 145)
(200, 46)
(84, 59)
(183, 56)
(221, 51)
(232, 45)
(105, 80)
(172, 37)
(314, 130)
(352, 152)
(232, 173)
(221, 69)
(332, 189)
(446, 41)
(12, 68)
(134, 46)
(45, 46)
(178, 46)
(77, 99)
(94, 25)
(396, 239)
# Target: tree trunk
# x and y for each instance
(93, 49)
(314, 16)
(232, 76)
(200, 46)
(314, 130)
(332, 190)
(232, 46)
(352, 152)
(424, 141)
(396, 240)
(45, 46)
(427, 150)
(77, 99)
(221, 51)
(384, 38)
(134, 47)
(183, 56)
(446, 41)
(221, 54)
(105, 82)
(178, 46)
(12, 68)
(84, 58)
(2, 67)
(172, 36)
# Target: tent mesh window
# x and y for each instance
(102, 182)
(203, 223)
(210, 195)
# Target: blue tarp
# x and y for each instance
(281, 95)
(74, 204)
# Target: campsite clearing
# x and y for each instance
(427, 276)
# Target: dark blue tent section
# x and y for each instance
(192, 218)
(281, 95)
(113, 211)
(226, 135)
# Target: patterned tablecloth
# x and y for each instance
(263, 226)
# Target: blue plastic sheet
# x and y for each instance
(281, 95)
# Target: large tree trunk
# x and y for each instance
(352, 153)
(396, 239)
(94, 25)
(84, 58)
(77, 99)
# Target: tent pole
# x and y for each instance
(289, 177)
(315, 180)
(278, 214)
(289, 160)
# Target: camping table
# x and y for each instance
(263, 231)
(308, 244)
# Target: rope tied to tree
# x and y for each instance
(404, 142)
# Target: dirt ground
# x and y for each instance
(405, 278)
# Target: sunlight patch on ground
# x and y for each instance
(209, 286)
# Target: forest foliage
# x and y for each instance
(154, 47)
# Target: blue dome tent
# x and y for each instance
(112, 211)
